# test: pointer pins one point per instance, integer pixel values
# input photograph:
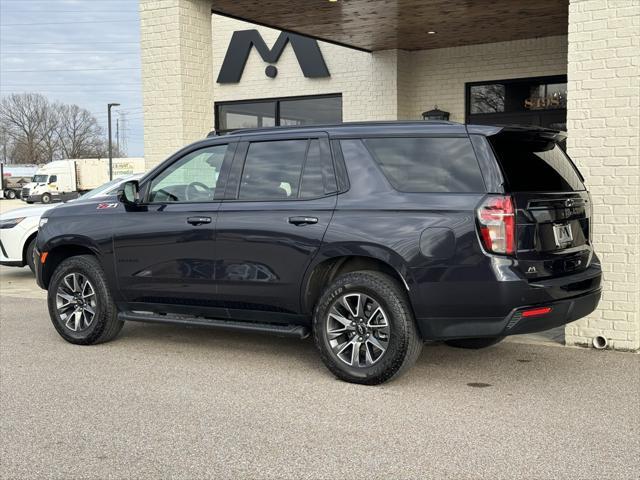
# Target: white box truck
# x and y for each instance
(63, 180)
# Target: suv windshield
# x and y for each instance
(534, 164)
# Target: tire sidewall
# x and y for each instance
(82, 266)
(396, 315)
(46, 198)
(29, 255)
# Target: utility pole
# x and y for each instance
(109, 107)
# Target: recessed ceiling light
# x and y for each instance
(431, 32)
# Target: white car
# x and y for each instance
(18, 228)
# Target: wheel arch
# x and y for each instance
(328, 268)
(60, 250)
(25, 245)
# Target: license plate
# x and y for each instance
(562, 235)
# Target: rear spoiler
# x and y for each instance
(524, 130)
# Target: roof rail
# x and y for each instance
(242, 131)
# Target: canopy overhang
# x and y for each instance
(373, 25)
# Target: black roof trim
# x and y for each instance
(244, 131)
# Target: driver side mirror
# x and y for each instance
(129, 193)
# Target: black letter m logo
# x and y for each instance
(306, 50)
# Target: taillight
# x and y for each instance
(497, 223)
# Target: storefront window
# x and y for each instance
(540, 101)
(313, 110)
(247, 115)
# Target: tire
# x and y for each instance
(104, 325)
(403, 342)
(29, 255)
(10, 194)
(46, 198)
(29, 201)
(474, 343)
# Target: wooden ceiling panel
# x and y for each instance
(404, 24)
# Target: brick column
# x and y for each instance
(603, 127)
(177, 74)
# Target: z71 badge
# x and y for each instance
(103, 206)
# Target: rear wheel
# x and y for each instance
(474, 343)
(364, 328)
(10, 194)
(29, 255)
(46, 198)
(80, 304)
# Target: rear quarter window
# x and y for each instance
(428, 164)
(534, 164)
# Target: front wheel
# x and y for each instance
(364, 328)
(46, 198)
(80, 304)
(474, 343)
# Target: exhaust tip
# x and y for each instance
(599, 342)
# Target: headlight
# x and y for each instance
(43, 222)
(10, 222)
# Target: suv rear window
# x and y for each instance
(534, 164)
(428, 164)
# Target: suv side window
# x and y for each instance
(428, 164)
(313, 178)
(193, 178)
(272, 170)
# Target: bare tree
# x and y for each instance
(79, 134)
(24, 117)
(37, 131)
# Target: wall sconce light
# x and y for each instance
(436, 114)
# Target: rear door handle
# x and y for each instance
(198, 220)
(303, 220)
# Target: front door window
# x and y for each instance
(193, 178)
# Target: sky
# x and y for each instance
(85, 52)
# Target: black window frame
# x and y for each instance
(234, 178)
(547, 79)
(277, 101)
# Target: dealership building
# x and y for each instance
(568, 65)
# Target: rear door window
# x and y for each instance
(272, 170)
(428, 164)
(534, 164)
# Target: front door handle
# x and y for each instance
(303, 220)
(198, 220)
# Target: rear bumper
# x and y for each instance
(570, 298)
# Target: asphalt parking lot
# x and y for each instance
(173, 402)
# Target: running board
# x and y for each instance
(297, 331)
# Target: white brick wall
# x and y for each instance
(368, 82)
(177, 74)
(439, 76)
(604, 130)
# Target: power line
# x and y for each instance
(65, 23)
(51, 2)
(73, 70)
(64, 84)
(71, 53)
(89, 12)
(68, 43)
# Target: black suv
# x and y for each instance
(374, 237)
